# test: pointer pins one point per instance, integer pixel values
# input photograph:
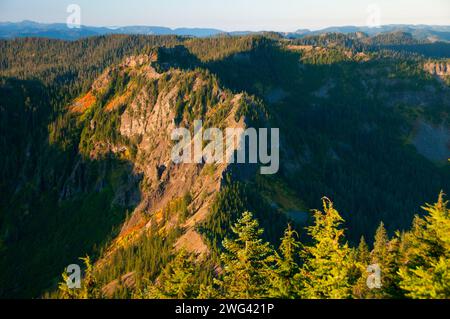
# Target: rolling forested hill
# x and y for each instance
(85, 166)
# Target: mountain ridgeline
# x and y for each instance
(63, 31)
(86, 167)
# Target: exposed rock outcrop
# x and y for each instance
(440, 69)
(149, 111)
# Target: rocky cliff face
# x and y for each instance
(440, 68)
(150, 106)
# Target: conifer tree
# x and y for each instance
(178, 279)
(89, 286)
(385, 255)
(380, 245)
(326, 269)
(88, 289)
(426, 270)
(284, 284)
(363, 251)
(64, 292)
(362, 260)
(246, 262)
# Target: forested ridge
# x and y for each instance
(349, 109)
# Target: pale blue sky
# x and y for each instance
(229, 15)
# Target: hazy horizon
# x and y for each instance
(234, 15)
(231, 30)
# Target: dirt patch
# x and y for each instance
(83, 103)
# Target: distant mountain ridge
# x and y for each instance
(419, 32)
(10, 30)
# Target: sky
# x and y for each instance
(231, 15)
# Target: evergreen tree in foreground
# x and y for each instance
(89, 288)
(385, 255)
(247, 262)
(426, 272)
(283, 282)
(362, 260)
(414, 264)
(178, 279)
(326, 269)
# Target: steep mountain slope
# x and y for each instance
(149, 105)
(120, 130)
